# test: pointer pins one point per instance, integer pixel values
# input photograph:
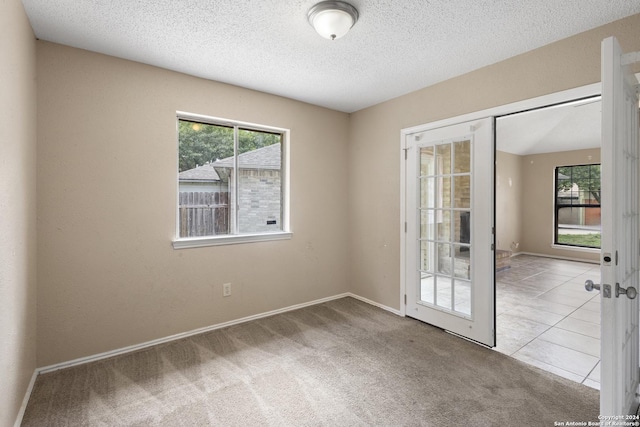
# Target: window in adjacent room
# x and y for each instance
(232, 182)
(577, 206)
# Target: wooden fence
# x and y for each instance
(203, 213)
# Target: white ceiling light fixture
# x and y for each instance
(332, 19)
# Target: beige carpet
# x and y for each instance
(341, 363)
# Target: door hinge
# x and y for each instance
(405, 299)
(493, 246)
(405, 226)
(405, 153)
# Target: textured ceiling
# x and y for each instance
(396, 47)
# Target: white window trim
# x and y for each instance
(553, 232)
(575, 248)
(201, 242)
(230, 239)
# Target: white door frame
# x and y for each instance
(542, 101)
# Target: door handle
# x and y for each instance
(606, 289)
(589, 285)
(630, 291)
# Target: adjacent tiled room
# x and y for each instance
(546, 318)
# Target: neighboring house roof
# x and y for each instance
(200, 173)
(269, 157)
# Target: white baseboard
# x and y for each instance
(384, 307)
(590, 261)
(25, 400)
(129, 349)
(136, 347)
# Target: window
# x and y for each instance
(577, 206)
(232, 182)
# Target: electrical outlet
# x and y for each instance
(226, 290)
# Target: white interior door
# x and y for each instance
(620, 240)
(449, 271)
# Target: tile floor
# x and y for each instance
(546, 318)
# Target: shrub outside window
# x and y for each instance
(231, 179)
(577, 206)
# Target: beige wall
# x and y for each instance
(106, 192)
(524, 201)
(17, 208)
(508, 201)
(374, 141)
(537, 201)
(108, 275)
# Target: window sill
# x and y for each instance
(200, 242)
(576, 248)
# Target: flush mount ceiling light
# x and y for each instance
(332, 19)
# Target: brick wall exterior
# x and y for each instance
(443, 218)
(260, 196)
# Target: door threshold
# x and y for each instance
(469, 339)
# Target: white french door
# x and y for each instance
(449, 271)
(620, 238)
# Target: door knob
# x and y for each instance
(630, 291)
(606, 289)
(589, 285)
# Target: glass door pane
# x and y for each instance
(445, 226)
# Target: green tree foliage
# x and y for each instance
(249, 140)
(586, 177)
(200, 143)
